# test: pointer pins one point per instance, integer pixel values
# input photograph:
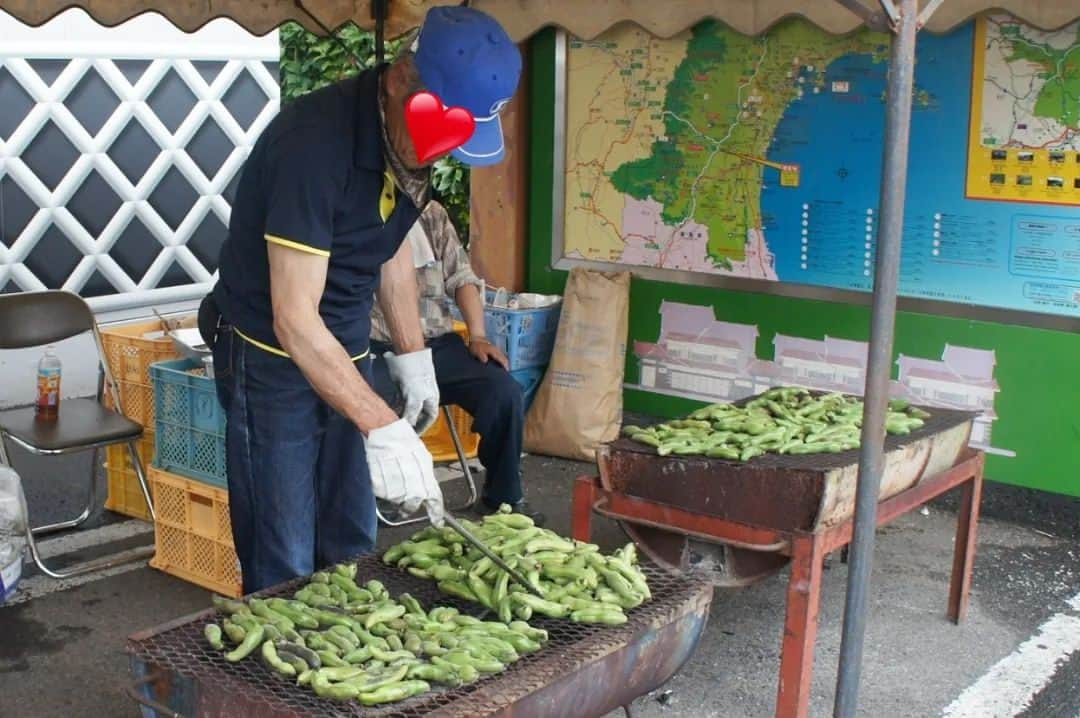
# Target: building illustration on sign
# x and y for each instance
(700, 357)
(962, 379)
(830, 364)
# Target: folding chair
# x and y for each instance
(35, 319)
(462, 459)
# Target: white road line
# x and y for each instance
(38, 586)
(1007, 688)
(78, 540)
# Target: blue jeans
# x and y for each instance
(491, 396)
(300, 495)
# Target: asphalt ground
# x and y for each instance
(1017, 654)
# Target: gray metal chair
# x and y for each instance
(35, 319)
(462, 459)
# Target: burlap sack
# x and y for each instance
(579, 403)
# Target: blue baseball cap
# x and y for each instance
(466, 58)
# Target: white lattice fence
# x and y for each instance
(115, 163)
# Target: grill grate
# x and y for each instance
(182, 650)
(940, 420)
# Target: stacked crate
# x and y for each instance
(129, 354)
(193, 534)
(194, 531)
(527, 338)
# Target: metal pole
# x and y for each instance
(378, 13)
(879, 370)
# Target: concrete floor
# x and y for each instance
(61, 651)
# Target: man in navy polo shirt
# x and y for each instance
(326, 197)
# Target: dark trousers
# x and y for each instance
(488, 393)
(300, 494)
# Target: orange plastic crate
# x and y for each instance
(129, 356)
(438, 441)
(193, 533)
(125, 495)
(136, 402)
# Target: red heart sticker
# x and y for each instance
(436, 131)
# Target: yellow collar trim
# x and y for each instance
(387, 199)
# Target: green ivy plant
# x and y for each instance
(309, 61)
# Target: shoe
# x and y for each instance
(522, 507)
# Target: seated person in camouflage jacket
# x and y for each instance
(472, 376)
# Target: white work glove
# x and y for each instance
(402, 471)
(414, 374)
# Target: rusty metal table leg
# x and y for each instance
(800, 626)
(585, 495)
(967, 522)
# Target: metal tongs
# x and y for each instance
(483, 548)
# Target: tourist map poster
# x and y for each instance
(760, 157)
(1025, 113)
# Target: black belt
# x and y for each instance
(209, 321)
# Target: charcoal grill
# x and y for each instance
(583, 670)
(775, 491)
(775, 509)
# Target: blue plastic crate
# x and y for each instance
(529, 379)
(526, 336)
(190, 422)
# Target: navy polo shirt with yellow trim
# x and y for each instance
(316, 181)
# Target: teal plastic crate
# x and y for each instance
(190, 422)
(529, 379)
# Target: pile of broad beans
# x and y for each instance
(351, 642)
(784, 420)
(576, 580)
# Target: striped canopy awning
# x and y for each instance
(523, 18)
